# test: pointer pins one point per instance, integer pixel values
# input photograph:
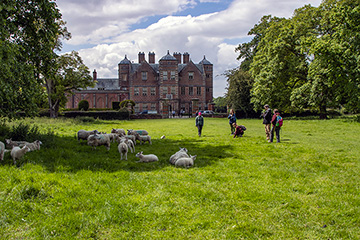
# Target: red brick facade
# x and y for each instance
(170, 85)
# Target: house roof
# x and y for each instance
(168, 57)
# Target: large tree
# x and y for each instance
(71, 74)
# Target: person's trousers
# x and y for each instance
(277, 132)
(267, 131)
(199, 129)
(232, 128)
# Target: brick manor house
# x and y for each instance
(175, 83)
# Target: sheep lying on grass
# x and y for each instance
(141, 132)
(182, 153)
(185, 162)
(120, 131)
(123, 149)
(17, 152)
(10, 143)
(146, 158)
(82, 134)
(34, 145)
(98, 140)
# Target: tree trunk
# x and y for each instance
(323, 114)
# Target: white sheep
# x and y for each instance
(129, 143)
(146, 158)
(182, 153)
(141, 132)
(34, 145)
(98, 140)
(83, 134)
(123, 149)
(10, 143)
(185, 162)
(119, 131)
(2, 150)
(145, 138)
(131, 137)
(17, 152)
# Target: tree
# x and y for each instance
(71, 74)
(220, 104)
(30, 32)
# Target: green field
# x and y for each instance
(306, 187)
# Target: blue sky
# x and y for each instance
(103, 32)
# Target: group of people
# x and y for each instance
(272, 122)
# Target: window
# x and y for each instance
(136, 91)
(124, 76)
(144, 76)
(172, 75)
(153, 106)
(136, 108)
(191, 75)
(153, 91)
(173, 90)
(164, 90)
(208, 75)
(207, 89)
(165, 75)
(191, 91)
(182, 90)
(144, 91)
(198, 90)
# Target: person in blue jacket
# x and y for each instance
(232, 120)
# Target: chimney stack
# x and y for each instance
(177, 56)
(141, 57)
(186, 57)
(94, 75)
(151, 57)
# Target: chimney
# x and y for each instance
(94, 75)
(151, 57)
(178, 57)
(186, 57)
(141, 57)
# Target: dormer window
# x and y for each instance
(191, 75)
(144, 76)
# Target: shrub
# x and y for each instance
(24, 132)
(83, 105)
(115, 105)
(85, 119)
(357, 118)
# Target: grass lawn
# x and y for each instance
(306, 187)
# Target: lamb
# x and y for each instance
(182, 153)
(17, 152)
(34, 145)
(129, 143)
(141, 132)
(120, 132)
(145, 138)
(82, 134)
(131, 137)
(146, 158)
(2, 150)
(10, 143)
(123, 149)
(98, 140)
(185, 162)
(113, 136)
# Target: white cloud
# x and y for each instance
(109, 21)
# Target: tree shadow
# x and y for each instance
(66, 154)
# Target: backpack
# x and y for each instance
(279, 121)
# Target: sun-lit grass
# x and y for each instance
(306, 187)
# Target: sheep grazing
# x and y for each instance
(34, 145)
(120, 132)
(98, 140)
(141, 132)
(17, 152)
(2, 150)
(123, 149)
(146, 158)
(145, 138)
(182, 153)
(185, 162)
(82, 134)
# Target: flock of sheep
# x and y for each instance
(128, 141)
(94, 138)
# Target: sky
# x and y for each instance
(103, 32)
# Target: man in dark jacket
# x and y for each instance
(199, 123)
(267, 120)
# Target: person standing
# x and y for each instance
(267, 120)
(276, 122)
(232, 120)
(199, 123)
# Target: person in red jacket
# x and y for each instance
(276, 122)
(239, 130)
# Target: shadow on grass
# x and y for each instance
(66, 154)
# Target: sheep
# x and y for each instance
(131, 137)
(113, 136)
(146, 158)
(182, 153)
(17, 152)
(185, 162)
(82, 134)
(10, 143)
(129, 143)
(141, 132)
(118, 131)
(34, 145)
(145, 138)
(99, 139)
(123, 149)
(2, 150)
